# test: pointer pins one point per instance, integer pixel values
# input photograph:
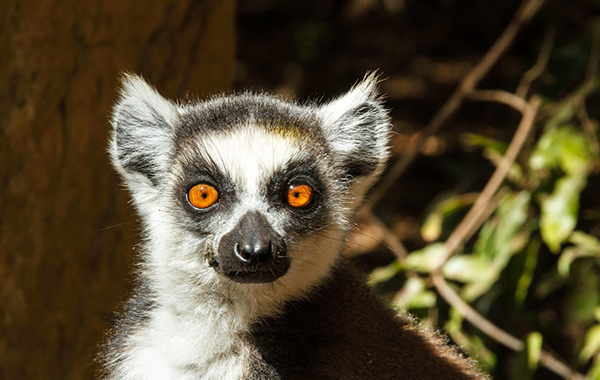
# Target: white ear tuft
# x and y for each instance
(142, 139)
(135, 91)
(363, 92)
(357, 127)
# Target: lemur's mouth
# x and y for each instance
(253, 274)
(262, 275)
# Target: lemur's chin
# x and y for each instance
(257, 277)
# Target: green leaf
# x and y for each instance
(564, 261)
(422, 300)
(584, 246)
(512, 214)
(468, 268)
(432, 227)
(383, 274)
(583, 294)
(414, 295)
(575, 155)
(591, 344)
(498, 240)
(559, 211)
(547, 151)
(494, 150)
(527, 361)
(484, 246)
(411, 287)
(585, 242)
(594, 372)
(527, 274)
(474, 139)
(565, 147)
(425, 259)
(534, 348)
(474, 290)
(496, 236)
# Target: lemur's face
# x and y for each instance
(253, 188)
(248, 187)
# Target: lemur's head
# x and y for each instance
(247, 191)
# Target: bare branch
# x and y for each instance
(526, 11)
(540, 64)
(594, 59)
(581, 92)
(590, 126)
(493, 331)
(391, 240)
(474, 217)
(499, 96)
(473, 316)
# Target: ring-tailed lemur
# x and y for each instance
(246, 201)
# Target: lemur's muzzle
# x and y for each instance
(252, 252)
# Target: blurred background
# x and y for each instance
(477, 90)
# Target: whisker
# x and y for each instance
(114, 226)
(310, 262)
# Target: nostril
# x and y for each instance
(257, 254)
(243, 253)
(266, 255)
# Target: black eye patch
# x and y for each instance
(299, 219)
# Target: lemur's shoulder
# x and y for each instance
(344, 331)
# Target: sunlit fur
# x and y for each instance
(197, 318)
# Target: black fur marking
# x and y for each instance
(269, 112)
(303, 220)
(198, 171)
(344, 332)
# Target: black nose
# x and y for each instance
(257, 253)
(253, 251)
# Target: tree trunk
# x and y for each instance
(66, 230)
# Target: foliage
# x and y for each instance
(532, 250)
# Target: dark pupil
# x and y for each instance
(204, 195)
(296, 194)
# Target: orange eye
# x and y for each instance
(300, 195)
(202, 195)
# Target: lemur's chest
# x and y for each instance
(175, 347)
(228, 367)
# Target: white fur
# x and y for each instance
(249, 155)
(139, 96)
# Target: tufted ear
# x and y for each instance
(142, 138)
(357, 127)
